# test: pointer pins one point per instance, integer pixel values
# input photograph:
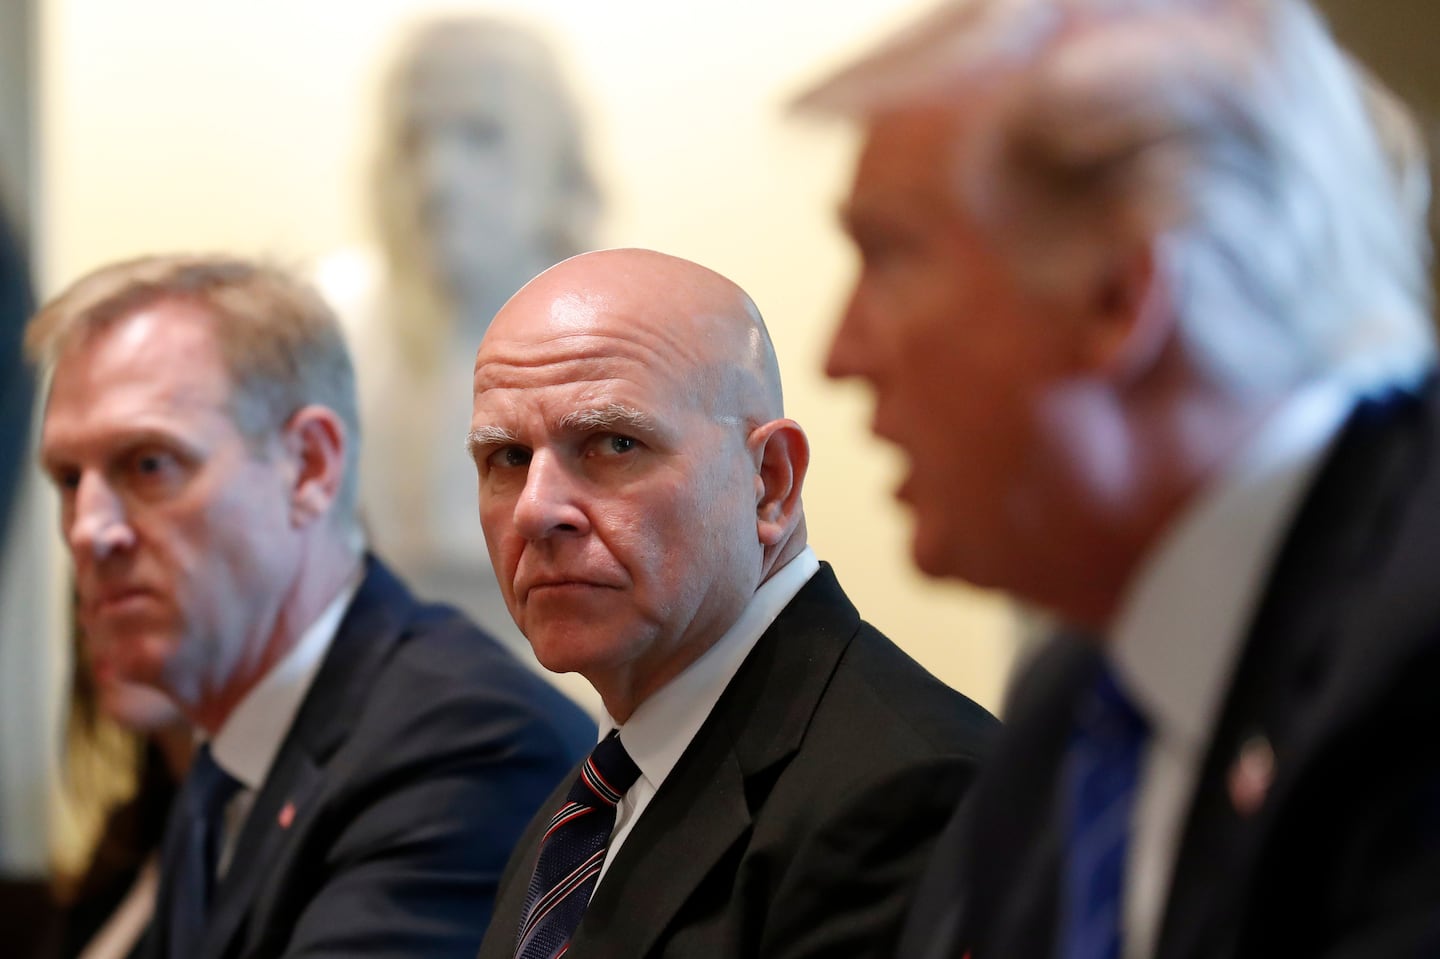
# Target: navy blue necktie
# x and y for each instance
(192, 850)
(1102, 771)
(572, 852)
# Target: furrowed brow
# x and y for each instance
(613, 417)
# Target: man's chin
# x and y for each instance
(561, 658)
(939, 556)
(571, 647)
(135, 657)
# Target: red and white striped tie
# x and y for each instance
(573, 851)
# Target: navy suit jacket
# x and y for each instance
(17, 381)
(1340, 674)
(419, 754)
(797, 820)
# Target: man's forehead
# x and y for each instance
(165, 327)
(129, 412)
(574, 384)
(143, 362)
(904, 147)
(652, 300)
(668, 328)
(586, 317)
(578, 394)
(557, 355)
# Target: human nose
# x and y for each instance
(447, 160)
(99, 526)
(849, 351)
(433, 163)
(549, 504)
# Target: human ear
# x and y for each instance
(315, 441)
(781, 454)
(1126, 320)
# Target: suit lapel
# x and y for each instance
(1309, 619)
(704, 809)
(371, 626)
(674, 844)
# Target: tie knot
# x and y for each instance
(608, 774)
(212, 787)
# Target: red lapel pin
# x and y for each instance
(1251, 775)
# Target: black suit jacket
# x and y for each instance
(1340, 674)
(419, 754)
(797, 819)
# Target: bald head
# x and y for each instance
(696, 322)
(638, 481)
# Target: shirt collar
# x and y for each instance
(661, 727)
(1180, 627)
(246, 745)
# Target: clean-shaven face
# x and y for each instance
(178, 530)
(956, 354)
(617, 494)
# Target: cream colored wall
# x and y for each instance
(221, 124)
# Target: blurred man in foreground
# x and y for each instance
(369, 761)
(1143, 304)
(778, 767)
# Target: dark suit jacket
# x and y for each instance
(17, 381)
(1340, 673)
(796, 821)
(419, 754)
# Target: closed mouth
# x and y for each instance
(563, 584)
(116, 597)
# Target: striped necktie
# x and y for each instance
(572, 852)
(1101, 774)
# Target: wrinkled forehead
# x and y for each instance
(557, 369)
(590, 367)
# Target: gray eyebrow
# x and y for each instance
(483, 436)
(611, 417)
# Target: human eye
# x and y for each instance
(879, 250)
(64, 478)
(153, 468)
(883, 242)
(613, 444)
(153, 462)
(507, 457)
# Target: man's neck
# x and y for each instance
(1180, 453)
(321, 580)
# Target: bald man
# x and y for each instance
(780, 766)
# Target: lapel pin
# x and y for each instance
(287, 815)
(1251, 775)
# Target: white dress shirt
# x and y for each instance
(1178, 636)
(247, 744)
(662, 726)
